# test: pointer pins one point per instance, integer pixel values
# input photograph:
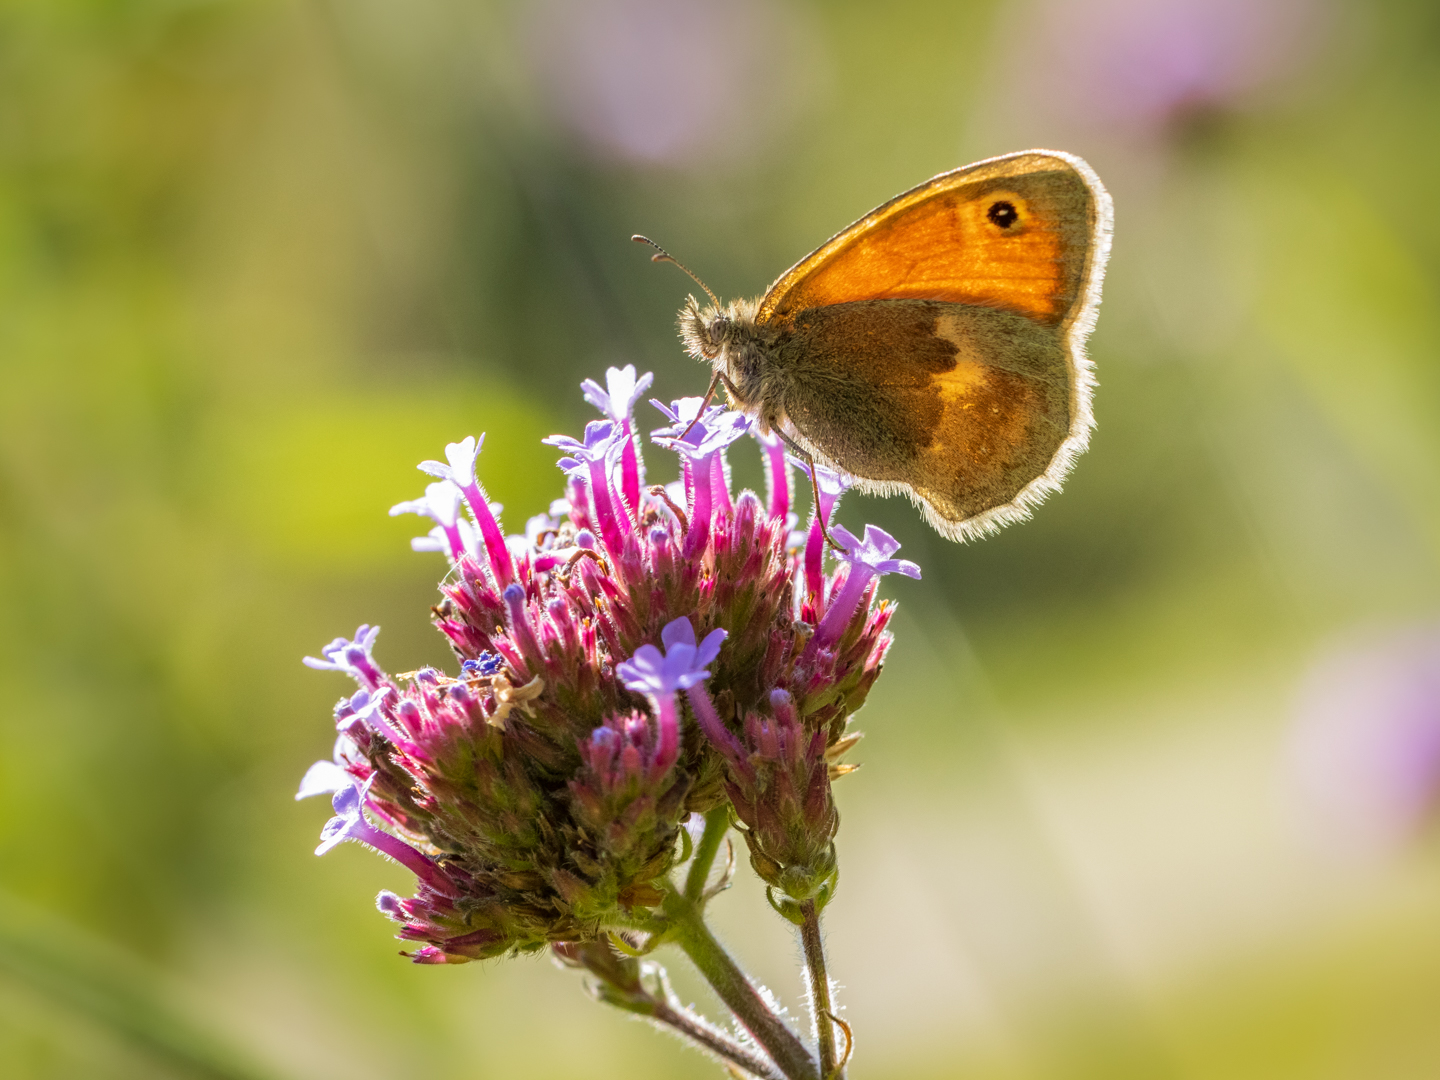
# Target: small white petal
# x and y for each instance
(323, 778)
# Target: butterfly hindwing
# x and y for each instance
(963, 405)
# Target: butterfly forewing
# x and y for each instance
(1013, 233)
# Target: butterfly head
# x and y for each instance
(725, 337)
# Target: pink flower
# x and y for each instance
(553, 769)
(1365, 743)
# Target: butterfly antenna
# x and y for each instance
(664, 256)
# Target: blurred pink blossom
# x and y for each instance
(670, 82)
(1140, 64)
(1365, 743)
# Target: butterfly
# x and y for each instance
(936, 347)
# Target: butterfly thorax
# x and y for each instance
(740, 349)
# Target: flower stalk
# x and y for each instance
(717, 824)
(739, 994)
(813, 945)
(625, 982)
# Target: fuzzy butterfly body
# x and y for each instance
(936, 346)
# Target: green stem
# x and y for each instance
(717, 824)
(736, 991)
(719, 1044)
(621, 981)
(814, 946)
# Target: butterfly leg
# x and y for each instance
(710, 393)
(800, 452)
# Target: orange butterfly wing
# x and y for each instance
(939, 242)
(981, 434)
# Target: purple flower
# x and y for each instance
(460, 471)
(323, 778)
(702, 437)
(441, 504)
(701, 440)
(622, 391)
(349, 824)
(867, 559)
(618, 402)
(831, 485)
(590, 460)
(777, 474)
(874, 551)
(681, 666)
(486, 664)
(602, 440)
(351, 657)
(680, 413)
(368, 709)
(349, 821)
(348, 709)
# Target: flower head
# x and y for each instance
(538, 792)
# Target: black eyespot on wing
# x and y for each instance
(1003, 214)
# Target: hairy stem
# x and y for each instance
(814, 946)
(626, 983)
(718, 1043)
(735, 990)
(717, 823)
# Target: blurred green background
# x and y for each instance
(1149, 783)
